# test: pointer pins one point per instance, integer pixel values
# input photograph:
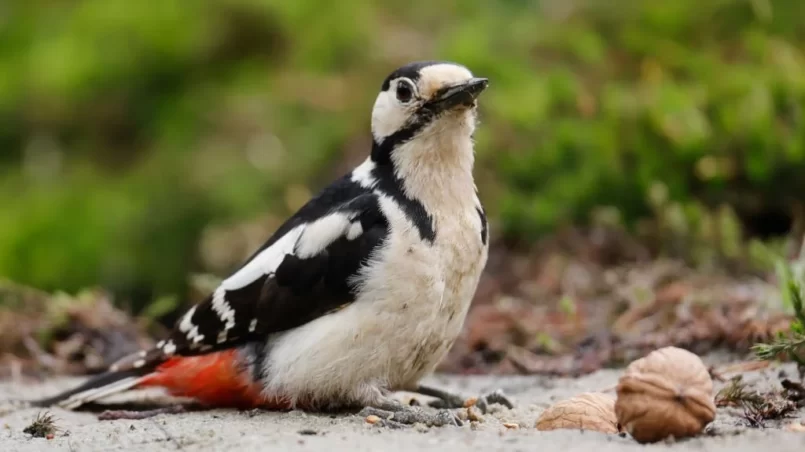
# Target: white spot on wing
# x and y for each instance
(225, 312)
(187, 326)
(139, 363)
(355, 229)
(266, 262)
(252, 325)
(169, 348)
(321, 233)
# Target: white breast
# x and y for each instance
(411, 307)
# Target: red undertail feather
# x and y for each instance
(215, 380)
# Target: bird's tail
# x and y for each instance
(96, 388)
(127, 373)
(216, 379)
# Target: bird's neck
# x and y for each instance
(436, 169)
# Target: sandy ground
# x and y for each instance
(297, 431)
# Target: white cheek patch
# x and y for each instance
(388, 116)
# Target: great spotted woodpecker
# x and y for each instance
(360, 293)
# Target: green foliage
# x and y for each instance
(661, 96)
(792, 344)
(127, 128)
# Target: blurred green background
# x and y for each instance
(142, 142)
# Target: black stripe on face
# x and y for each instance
(390, 184)
(381, 151)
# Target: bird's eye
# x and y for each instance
(404, 92)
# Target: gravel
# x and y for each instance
(224, 430)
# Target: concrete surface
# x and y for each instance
(296, 431)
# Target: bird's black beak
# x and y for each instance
(463, 93)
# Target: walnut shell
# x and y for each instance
(667, 393)
(588, 411)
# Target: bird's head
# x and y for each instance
(425, 98)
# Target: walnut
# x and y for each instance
(589, 411)
(666, 393)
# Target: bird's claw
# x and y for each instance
(407, 416)
(450, 401)
(496, 396)
(482, 403)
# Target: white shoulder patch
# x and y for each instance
(304, 241)
(322, 232)
(355, 230)
(266, 262)
(362, 175)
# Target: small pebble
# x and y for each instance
(49, 436)
(511, 425)
(798, 427)
(470, 402)
(372, 419)
(474, 415)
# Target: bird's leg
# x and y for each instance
(394, 414)
(446, 399)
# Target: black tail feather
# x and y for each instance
(98, 381)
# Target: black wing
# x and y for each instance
(303, 272)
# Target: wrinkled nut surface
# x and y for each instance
(667, 393)
(589, 411)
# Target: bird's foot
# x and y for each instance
(446, 399)
(397, 415)
(113, 415)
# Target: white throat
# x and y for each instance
(436, 166)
